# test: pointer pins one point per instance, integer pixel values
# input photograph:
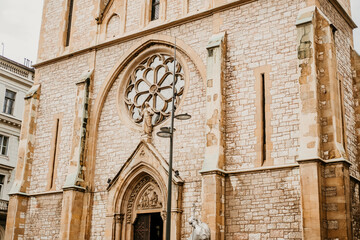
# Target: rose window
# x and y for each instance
(151, 82)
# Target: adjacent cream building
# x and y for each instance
(271, 150)
(15, 80)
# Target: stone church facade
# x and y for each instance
(271, 150)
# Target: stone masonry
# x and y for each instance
(271, 150)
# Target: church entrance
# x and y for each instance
(148, 226)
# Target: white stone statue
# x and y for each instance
(201, 231)
(147, 113)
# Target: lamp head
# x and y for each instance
(183, 116)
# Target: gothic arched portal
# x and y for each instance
(137, 198)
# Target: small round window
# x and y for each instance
(151, 81)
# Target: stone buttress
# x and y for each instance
(324, 168)
(16, 218)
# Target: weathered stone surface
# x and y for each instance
(302, 184)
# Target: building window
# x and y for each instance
(53, 156)
(4, 141)
(151, 84)
(263, 113)
(2, 181)
(155, 9)
(69, 19)
(9, 102)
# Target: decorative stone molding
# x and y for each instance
(151, 82)
(142, 201)
(135, 90)
(10, 120)
(140, 187)
(149, 198)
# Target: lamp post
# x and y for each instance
(168, 132)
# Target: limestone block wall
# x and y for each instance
(355, 183)
(54, 27)
(57, 101)
(116, 141)
(83, 27)
(195, 5)
(174, 9)
(50, 37)
(263, 205)
(99, 213)
(260, 35)
(43, 217)
(266, 38)
(133, 11)
(334, 190)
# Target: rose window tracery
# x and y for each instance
(151, 82)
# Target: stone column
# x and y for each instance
(75, 200)
(18, 198)
(119, 218)
(213, 178)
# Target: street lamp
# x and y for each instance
(168, 132)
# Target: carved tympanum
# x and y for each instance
(149, 199)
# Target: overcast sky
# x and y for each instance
(20, 26)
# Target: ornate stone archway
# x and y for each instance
(140, 188)
(145, 197)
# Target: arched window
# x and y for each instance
(155, 9)
(113, 26)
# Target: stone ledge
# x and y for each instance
(258, 169)
(35, 194)
(74, 188)
(336, 160)
(247, 170)
(214, 171)
(9, 119)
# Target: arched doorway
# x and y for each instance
(148, 226)
(137, 198)
(142, 207)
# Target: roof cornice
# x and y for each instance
(4, 118)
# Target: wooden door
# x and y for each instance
(148, 227)
(142, 227)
